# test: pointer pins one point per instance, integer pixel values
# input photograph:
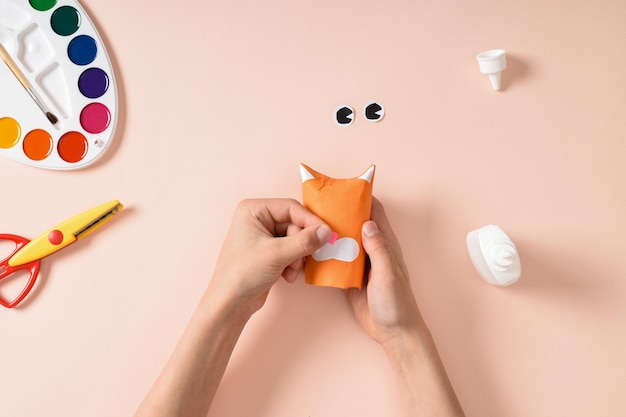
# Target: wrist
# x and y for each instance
(229, 309)
(425, 389)
(408, 344)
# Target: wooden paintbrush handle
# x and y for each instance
(13, 67)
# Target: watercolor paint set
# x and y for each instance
(58, 96)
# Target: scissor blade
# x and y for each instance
(65, 233)
(97, 223)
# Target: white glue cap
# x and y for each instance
(492, 62)
(494, 255)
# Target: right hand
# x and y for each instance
(385, 307)
(267, 239)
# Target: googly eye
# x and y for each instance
(374, 112)
(344, 115)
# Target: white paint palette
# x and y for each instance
(56, 53)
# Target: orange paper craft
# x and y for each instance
(344, 204)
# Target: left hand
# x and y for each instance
(268, 238)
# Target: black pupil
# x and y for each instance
(343, 115)
(371, 110)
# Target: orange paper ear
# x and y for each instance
(344, 204)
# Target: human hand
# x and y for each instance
(268, 238)
(385, 307)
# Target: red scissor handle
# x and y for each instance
(6, 270)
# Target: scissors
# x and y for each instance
(27, 254)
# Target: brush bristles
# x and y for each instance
(53, 119)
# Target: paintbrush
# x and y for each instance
(24, 81)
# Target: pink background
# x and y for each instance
(221, 100)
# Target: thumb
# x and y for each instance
(377, 246)
(303, 243)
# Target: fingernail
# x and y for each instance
(370, 229)
(323, 234)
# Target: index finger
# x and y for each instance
(284, 211)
